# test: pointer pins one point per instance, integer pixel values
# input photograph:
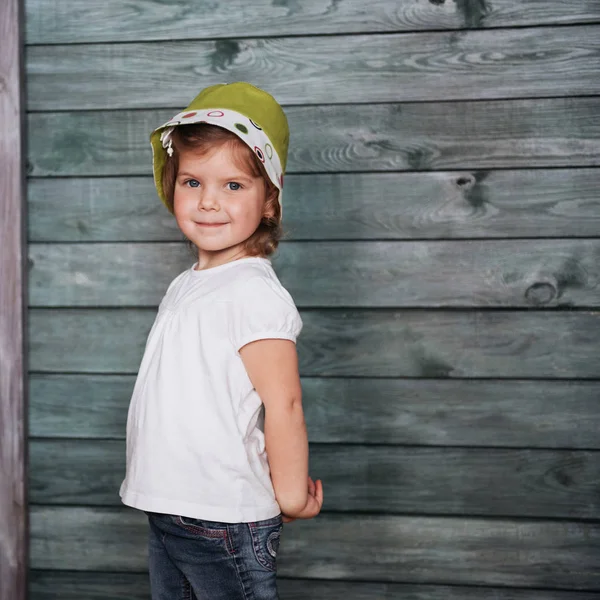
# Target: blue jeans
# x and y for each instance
(194, 559)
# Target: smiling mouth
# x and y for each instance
(210, 224)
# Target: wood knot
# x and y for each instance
(541, 292)
(465, 181)
(224, 55)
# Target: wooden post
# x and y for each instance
(13, 510)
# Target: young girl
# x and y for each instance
(218, 388)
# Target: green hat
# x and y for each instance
(249, 112)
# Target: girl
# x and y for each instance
(218, 388)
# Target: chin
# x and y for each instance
(216, 247)
(211, 247)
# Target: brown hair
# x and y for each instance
(200, 138)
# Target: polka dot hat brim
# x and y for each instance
(247, 111)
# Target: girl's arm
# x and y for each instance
(272, 366)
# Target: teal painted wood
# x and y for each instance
(49, 585)
(526, 553)
(502, 63)
(374, 479)
(54, 22)
(395, 206)
(501, 134)
(490, 273)
(90, 473)
(550, 414)
(525, 414)
(81, 406)
(376, 342)
(460, 482)
(499, 552)
(346, 184)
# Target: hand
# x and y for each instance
(313, 503)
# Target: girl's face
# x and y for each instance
(217, 205)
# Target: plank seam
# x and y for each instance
(589, 168)
(324, 308)
(333, 34)
(583, 592)
(383, 445)
(333, 104)
(462, 516)
(349, 444)
(589, 380)
(373, 240)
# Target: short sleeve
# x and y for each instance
(262, 309)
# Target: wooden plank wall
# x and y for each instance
(443, 244)
(13, 370)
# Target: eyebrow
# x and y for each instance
(232, 178)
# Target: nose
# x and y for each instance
(208, 199)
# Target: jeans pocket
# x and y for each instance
(266, 536)
(201, 527)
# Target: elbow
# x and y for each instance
(293, 506)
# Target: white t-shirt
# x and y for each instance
(195, 434)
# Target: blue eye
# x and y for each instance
(193, 183)
(234, 186)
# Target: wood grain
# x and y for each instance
(459, 551)
(460, 482)
(533, 414)
(374, 479)
(352, 206)
(445, 159)
(13, 510)
(548, 132)
(51, 22)
(490, 273)
(49, 585)
(502, 63)
(367, 343)
(498, 552)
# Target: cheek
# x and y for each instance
(181, 207)
(179, 217)
(182, 198)
(254, 207)
(250, 215)
(239, 206)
